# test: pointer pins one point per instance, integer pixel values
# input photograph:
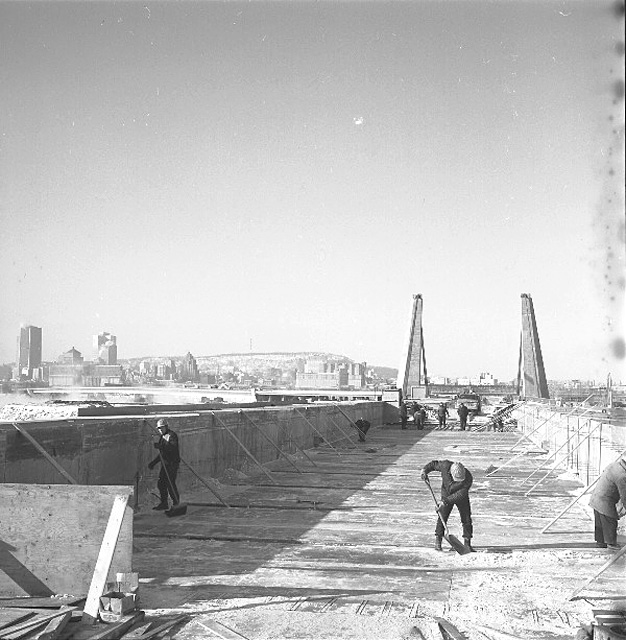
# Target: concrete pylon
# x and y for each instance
(412, 375)
(534, 384)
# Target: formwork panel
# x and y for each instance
(50, 537)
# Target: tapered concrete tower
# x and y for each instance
(412, 377)
(533, 374)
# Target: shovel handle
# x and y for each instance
(445, 525)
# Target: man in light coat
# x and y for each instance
(609, 492)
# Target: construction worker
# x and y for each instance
(422, 418)
(442, 414)
(169, 457)
(362, 427)
(607, 501)
(463, 412)
(456, 481)
(403, 414)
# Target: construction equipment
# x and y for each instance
(454, 542)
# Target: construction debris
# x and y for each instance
(35, 412)
(49, 619)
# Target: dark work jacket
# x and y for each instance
(169, 450)
(610, 488)
(463, 411)
(451, 490)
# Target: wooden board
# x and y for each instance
(105, 557)
(50, 537)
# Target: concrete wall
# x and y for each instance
(114, 450)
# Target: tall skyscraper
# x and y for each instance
(105, 348)
(28, 351)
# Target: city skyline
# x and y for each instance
(474, 378)
(196, 176)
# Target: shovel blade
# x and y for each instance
(456, 544)
(177, 510)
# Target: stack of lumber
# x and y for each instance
(61, 618)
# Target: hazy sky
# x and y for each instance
(204, 176)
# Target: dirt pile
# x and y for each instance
(35, 412)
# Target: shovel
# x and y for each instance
(454, 542)
(179, 509)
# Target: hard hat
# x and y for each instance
(458, 471)
(162, 423)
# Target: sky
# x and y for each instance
(284, 176)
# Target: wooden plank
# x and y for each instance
(160, 629)
(40, 603)
(105, 557)
(45, 454)
(9, 617)
(23, 628)
(137, 631)
(116, 630)
(54, 627)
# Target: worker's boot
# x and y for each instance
(437, 543)
(468, 544)
(162, 506)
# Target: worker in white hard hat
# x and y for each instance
(169, 457)
(456, 481)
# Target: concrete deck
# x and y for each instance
(344, 549)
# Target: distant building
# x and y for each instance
(105, 348)
(166, 370)
(102, 375)
(72, 356)
(326, 374)
(28, 352)
(72, 371)
(189, 369)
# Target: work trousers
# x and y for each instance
(463, 422)
(465, 512)
(442, 421)
(605, 530)
(167, 483)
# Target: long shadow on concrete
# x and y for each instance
(354, 535)
(244, 551)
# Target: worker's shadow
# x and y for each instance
(21, 575)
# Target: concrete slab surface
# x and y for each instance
(345, 549)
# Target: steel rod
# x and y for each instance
(604, 567)
(295, 444)
(346, 416)
(280, 451)
(45, 454)
(558, 462)
(243, 446)
(574, 434)
(527, 435)
(346, 435)
(317, 431)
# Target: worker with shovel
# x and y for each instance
(169, 457)
(456, 481)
